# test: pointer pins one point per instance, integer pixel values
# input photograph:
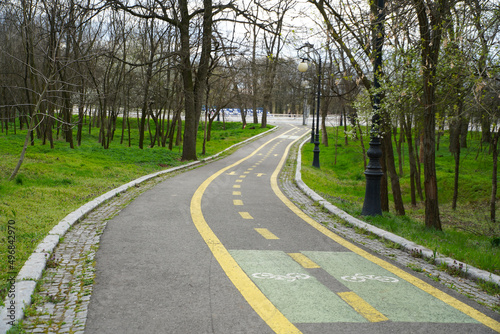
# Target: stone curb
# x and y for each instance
(32, 270)
(407, 245)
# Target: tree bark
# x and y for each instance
(194, 90)
(430, 19)
(391, 171)
(494, 178)
(412, 159)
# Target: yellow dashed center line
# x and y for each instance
(237, 193)
(362, 307)
(303, 260)
(245, 215)
(266, 233)
(237, 202)
(257, 300)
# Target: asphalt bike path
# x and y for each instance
(220, 249)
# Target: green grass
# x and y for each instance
(468, 235)
(54, 182)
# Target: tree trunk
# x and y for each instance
(412, 160)
(455, 129)
(384, 185)
(194, 90)
(391, 171)
(29, 134)
(145, 101)
(494, 178)
(430, 20)
(363, 149)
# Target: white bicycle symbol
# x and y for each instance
(363, 278)
(288, 277)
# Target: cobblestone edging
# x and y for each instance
(62, 249)
(64, 292)
(296, 189)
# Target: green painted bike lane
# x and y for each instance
(303, 299)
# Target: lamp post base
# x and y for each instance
(316, 154)
(372, 205)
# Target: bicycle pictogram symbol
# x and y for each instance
(288, 277)
(363, 278)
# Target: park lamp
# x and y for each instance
(303, 66)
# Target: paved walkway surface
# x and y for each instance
(138, 264)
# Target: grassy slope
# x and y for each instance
(467, 234)
(54, 182)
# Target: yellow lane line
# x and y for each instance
(237, 202)
(470, 311)
(245, 215)
(303, 260)
(242, 176)
(255, 298)
(266, 233)
(236, 193)
(362, 307)
(239, 181)
(236, 186)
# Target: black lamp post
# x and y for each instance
(302, 68)
(305, 113)
(372, 205)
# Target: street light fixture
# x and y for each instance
(305, 113)
(302, 68)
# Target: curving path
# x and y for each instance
(220, 249)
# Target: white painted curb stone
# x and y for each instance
(407, 245)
